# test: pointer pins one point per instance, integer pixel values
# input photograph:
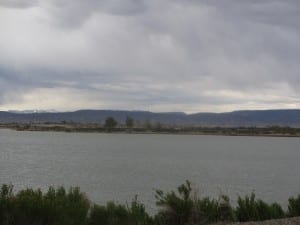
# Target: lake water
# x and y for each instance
(120, 166)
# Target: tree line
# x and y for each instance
(111, 123)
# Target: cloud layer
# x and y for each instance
(169, 55)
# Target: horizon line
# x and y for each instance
(29, 111)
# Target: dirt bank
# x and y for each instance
(288, 221)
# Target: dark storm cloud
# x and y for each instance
(75, 13)
(167, 55)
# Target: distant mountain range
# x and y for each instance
(260, 118)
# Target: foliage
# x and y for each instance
(251, 209)
(147, 124)
(110, 123)
(294, 206)
(176, 208)
(6, 204)
(117, 214)
(129, 122)
(225, 211)
(58, 206)
(181, 208)
(206, 210)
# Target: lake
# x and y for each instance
(120, 166)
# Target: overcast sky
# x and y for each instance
(157, 55)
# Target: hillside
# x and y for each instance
(260, 118)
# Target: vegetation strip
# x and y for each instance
(112, 126)
(59, 206)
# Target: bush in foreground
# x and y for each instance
(117, 214)
(251, 209)
(56, 206)
(59, 206)
(294, 206)
(184, 208)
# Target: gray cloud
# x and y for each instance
(161, 55)
(72, 14)
(18, 3)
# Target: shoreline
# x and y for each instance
(211, 131)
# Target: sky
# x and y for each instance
(157, 55)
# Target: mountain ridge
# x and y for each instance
(246, 118)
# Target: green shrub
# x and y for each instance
(98, 215)
(225, 211)
(74, 206)
(276, 211)
(60, 207)
(138, 213)
(211, 210)
(266, 211)
(294, 206)
(181, 209)
(117, 214)
(205, 211)
(6, 204)
(246, 210)
(250, 209)
(30, 206)
(176, 208)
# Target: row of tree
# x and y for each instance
(111, 123)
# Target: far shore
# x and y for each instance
(273, 131)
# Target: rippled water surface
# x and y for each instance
(120, 166)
